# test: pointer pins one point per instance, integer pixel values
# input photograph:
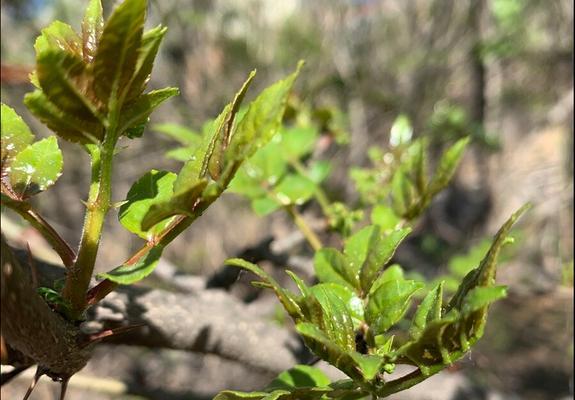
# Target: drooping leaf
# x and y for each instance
(138, 112)
(154, 187)
(92, 27)
(286, 298)
(35, 168)
(16, 135)
(387, 305)
(128, 274)
(66, 126)
(117, 54)
(62, 77)
(381, 248)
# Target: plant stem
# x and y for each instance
(26, 211)
(97, 206)
(407, 381)
(308, 233)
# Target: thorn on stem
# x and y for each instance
(35, 379)
(64, 387)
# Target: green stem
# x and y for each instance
(407, 381)
(308, 233)
(97, 206)
(26, 211)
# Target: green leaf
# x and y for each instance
(355, 248)
(352, 302)
(15, 134)
(318, 171)
(137, 112)
(197, 167)
(92, 27)
(393, 272)
(403, 194)
(236, 395)
(387, 305)
(328, 350)
(447, 166)
(35, 168)
(369, 364)
(294, 189)
(181, 203)
(128, 274)
(484, 274)
(61, 76)
(300, 376)
(429, 310)
(298, 141)
(184, 135)
(480, 297)
(146, 55)
(66, 126)
(286, 298)
(117, 54)
(152, 188)
(401, 131)
(381, 248)
(332, 266)
(336, 320)
(264, 205)
(262, 119)
(214, 161)
(384, 217)
(60, 37)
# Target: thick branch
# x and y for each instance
(208, 321)
(31, 327)
(201, 320)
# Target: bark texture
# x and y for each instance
(32, 328)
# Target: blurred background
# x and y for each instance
(498, 70)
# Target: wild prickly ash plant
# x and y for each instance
(90, 90)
